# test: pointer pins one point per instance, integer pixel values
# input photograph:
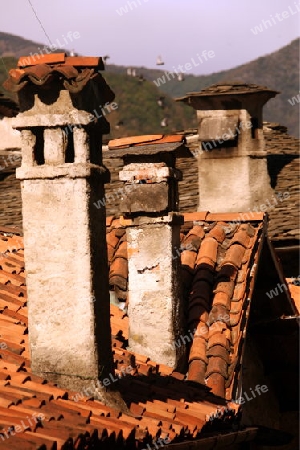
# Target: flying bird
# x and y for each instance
(164, 122)
(119, 124)
(159, 61)
(160, 102)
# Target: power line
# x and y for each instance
(37, 18)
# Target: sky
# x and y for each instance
(200, 36)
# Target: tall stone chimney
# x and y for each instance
(232, 161)
(150, 208)
(64, 234)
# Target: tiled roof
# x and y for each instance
(161, 403)
(219, 256)
(61, 59)
(74, 71)
(278, 141)
(151, 139)
(10, 190)
(284, 170)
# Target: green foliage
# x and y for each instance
(6, 64)
(137, 100)
(139, 111)
(278, 71)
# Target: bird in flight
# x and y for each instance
(159, 61)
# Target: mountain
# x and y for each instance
(278, 70)
(138, 110)
(16, 46)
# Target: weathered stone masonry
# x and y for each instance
(64, 234)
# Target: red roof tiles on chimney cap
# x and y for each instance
(33, 60)
(133, 141)
(61, 59)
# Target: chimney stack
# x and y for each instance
(232, 161)
(150, 208)
(64, 234)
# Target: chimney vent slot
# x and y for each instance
(39, 158)
(70, 153)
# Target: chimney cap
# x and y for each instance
(228, 88)
(41, 69)
(61, 59)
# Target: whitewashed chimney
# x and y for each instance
(62, 176)
(232, 160)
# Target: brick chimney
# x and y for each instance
(64, 234)
(232, 161)
(150, 205)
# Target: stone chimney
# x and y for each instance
(150, 205)
(232, 161)
(64, 234)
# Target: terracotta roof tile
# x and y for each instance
(208, 252)
(191, 242)
(219, 351)
(188, 258)
(241, 237)
(234, 256)
(216, 381)
(85, 61)
(202, 328)
(226, 287)
(198, 349)
(217, 365)
(219, 327)
(234, 217)
(61, 59)
(52, 58)
(223, 299)
(112, 238)
(218, 339)
(144, 140)
(218, 232)
(75, 72)
(218, 313)
(166, 405)
(196, 216)
(122, 250)
(294, 289)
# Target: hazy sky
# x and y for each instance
(179, 30)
